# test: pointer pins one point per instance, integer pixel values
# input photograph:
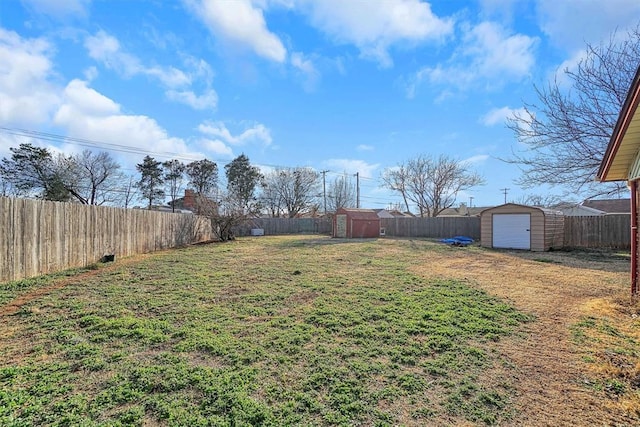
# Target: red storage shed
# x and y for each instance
(356, 223)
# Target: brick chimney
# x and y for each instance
(189, 199)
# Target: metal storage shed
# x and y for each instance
(356, 223)
(513, 226)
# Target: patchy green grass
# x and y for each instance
(271, 331)
(611, 349)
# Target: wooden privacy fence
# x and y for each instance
(39, 237)
(273, 226)
(604, 231)
(439, 227)
(398, 227)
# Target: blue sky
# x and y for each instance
(340, 85)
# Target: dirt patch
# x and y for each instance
(549, 374)
(13, 306)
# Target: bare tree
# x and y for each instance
(129, 190)
(296, 189)
(434, 183)
(270, 199)
(173, 179)
(542, 201)
(225, 215)
(567, 131)
(341, 194)
(91, 178)
(6, 188)
(396, 179)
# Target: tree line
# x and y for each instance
(431, 184)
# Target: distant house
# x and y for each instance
(463, 210)
(610, 206)
(385, 213)
(192, 202)
(577, 209)
(621, 162)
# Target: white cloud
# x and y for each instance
(79, 97)
(569, 64)
(487, 54)
(240, 23)
(365, 169)
(499, 115)
(374, 26)
(91, 73)
(59, 8)
(479, 158)
(26, 94)
(88, 114)
(256, 134)
(208, 100)
(307, 69)
(217, 147)
(364, 147)
(571, 23)
(106, 49)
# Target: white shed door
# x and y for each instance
(512, 231)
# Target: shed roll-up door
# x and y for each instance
(512, 231)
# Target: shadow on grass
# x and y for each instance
(603, 259)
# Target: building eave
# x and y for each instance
(623, 145)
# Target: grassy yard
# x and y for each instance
(279, 331)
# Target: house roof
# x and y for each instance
(575, 209)
(383, 213)
(462, 211)
(609, 205)
(624, 143)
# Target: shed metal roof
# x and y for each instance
(543, 210)
(359, 213)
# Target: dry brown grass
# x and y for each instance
(577, 364)
(560, 289)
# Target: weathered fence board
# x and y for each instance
(39, 237)
(275, 226)
(604, 231)
(439, 227)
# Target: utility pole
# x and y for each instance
(505, 190)
(357, 175)
(470, 201)
(324, 190)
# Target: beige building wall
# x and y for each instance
(546, 227)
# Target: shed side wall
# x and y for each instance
(486, 230)
(554, 231)
(537, 230)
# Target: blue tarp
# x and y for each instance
(458, 241)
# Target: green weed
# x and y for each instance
(228, 335)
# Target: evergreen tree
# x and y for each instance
(151, 180)
(242, 180)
